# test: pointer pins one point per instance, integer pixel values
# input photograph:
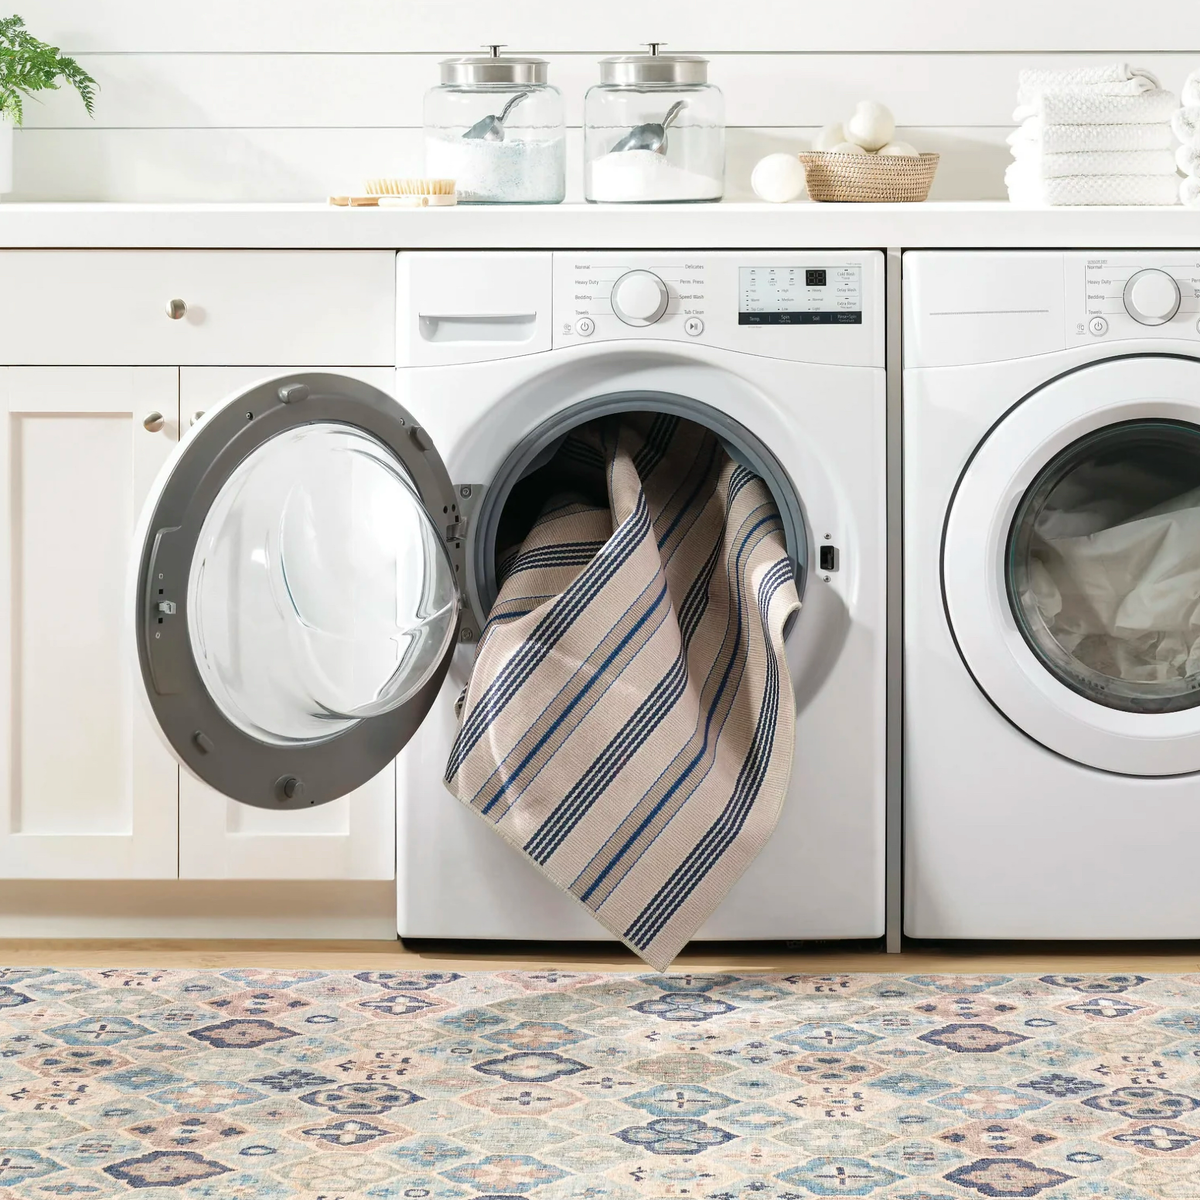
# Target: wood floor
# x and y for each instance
(921, 957)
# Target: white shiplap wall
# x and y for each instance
(291, 99)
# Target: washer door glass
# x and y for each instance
(320, 592)
(1103, 566)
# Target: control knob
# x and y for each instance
(639, 297)
(1151, 297)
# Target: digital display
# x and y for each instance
(800, 295)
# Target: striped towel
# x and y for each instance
(629, 722)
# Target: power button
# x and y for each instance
(1098, 326)
(585, 326)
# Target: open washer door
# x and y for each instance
(296, 594)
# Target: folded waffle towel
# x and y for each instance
(1054, 79)
(629, 722)
(1186, 124)
(1187, 159)
(1190, 97)
(1114, 80)
(1107, 162)
(1082, 108)
(1031, 191)
(1189, 192)
(1078, 139)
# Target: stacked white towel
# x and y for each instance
(1092, 135)
(1186, 126)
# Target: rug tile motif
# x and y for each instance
(570, 1085)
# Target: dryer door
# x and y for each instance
(1071, 565)
(295, 593)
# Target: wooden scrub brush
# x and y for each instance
(401, 193)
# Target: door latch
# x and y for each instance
(466, 499)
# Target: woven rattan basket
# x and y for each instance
(869, 178)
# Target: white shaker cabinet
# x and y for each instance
(87, 789)
(350, 838)
(198, 306)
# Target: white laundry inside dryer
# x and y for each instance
(1114, 563)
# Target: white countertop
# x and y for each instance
(573, 226)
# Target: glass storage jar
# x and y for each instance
(654, 130)
(495, 126)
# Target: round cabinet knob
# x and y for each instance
(639, 297)
(153, 422)
(176, 309)
(1151, 297)
(195, 417)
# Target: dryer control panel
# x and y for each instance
(981, 306)
(1132, 294)
(811, 306)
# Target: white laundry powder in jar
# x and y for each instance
(516, 171)
(625, 176)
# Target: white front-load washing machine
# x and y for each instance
(317, 559)
(1052, 594)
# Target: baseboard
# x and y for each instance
(196, 909)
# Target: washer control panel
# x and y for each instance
(1132, 294)
(611, 293)
(791, 295)
(812, 306)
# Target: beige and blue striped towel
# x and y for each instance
(629, 722)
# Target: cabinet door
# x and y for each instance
(87, 789)
(350, 838)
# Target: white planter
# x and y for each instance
(6, 148)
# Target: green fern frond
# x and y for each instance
(28, 66)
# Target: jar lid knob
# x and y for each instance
(494, 48)
(653, 47)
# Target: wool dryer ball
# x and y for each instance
(871, 126)
(778, 178)
(830, 136)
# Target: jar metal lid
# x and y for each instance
(654, 68)
(481, 68)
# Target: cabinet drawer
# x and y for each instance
(100, 307)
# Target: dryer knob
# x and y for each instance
(639, 297)
(1151, 297)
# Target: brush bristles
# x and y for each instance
(410, 187)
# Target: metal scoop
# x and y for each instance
(652, 135)
(491, 129)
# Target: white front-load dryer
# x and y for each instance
(781, 353)
(1052, 594)
(316, 560)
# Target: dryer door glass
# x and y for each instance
(1104, 566)
(320, 591)
(297, 598)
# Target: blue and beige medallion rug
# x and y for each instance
(565, 1085)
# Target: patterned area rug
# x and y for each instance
(563, 1085)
